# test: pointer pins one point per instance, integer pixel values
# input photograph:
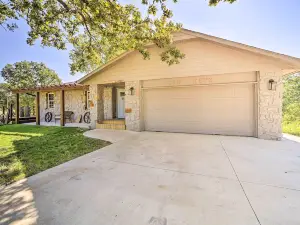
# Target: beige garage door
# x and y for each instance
(215, 109)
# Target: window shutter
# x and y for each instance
(46, 100)
(85, 100)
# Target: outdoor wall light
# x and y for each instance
(131, 90)
(272, 85)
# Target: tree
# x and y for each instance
(4, 95)
(291, 90)
(26, 74)
(292, 112)
(291, 99)
(98, 30)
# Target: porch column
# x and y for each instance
(62, 108)
(132, 106)
(17, 108)
(37, 108)
(270, 105)
(96, 111)
(107, 102)
(100, 105)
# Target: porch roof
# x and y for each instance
(66, 86)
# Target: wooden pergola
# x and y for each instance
(62, 88)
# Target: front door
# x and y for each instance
(121, 103)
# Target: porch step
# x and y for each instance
(110, 126)
(120, 121)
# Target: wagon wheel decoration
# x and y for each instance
(86, 117)
(48, 117)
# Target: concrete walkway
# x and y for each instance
(164, 178)
(112, 136)
(291, 138)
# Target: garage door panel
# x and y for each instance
(243, 91)
(198, 127)
(226, 109)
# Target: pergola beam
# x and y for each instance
(52, 88)
(17, 108)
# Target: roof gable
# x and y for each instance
(186, 34)
(287, 58)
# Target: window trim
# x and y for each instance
(48, 100)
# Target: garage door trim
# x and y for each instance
(256, 97)
(200, 85)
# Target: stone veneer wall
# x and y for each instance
(43, 105)
(74, 101)
(133, 119)
(94, 93)
(100, 106)
(269, 106)
(107, 103)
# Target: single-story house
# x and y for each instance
(221, 87)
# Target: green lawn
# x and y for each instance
(26, 150)
(291, 128)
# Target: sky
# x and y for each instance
(267, 24)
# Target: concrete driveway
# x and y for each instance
(164, 179)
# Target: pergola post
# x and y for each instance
(62, 108)
(37, 108)
(11, 107)
(17, 108)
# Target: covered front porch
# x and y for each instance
(115, 105)
(103, 106)
(58, 104)
(111, 107)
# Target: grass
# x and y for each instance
(291, 128)
(27, 150)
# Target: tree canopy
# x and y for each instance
(27, 74)
(98, 30)
(291, 90)
(4, 94)
(291, 98)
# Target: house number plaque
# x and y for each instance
(189, 81)
(203, 80)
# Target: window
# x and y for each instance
(50, 100)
